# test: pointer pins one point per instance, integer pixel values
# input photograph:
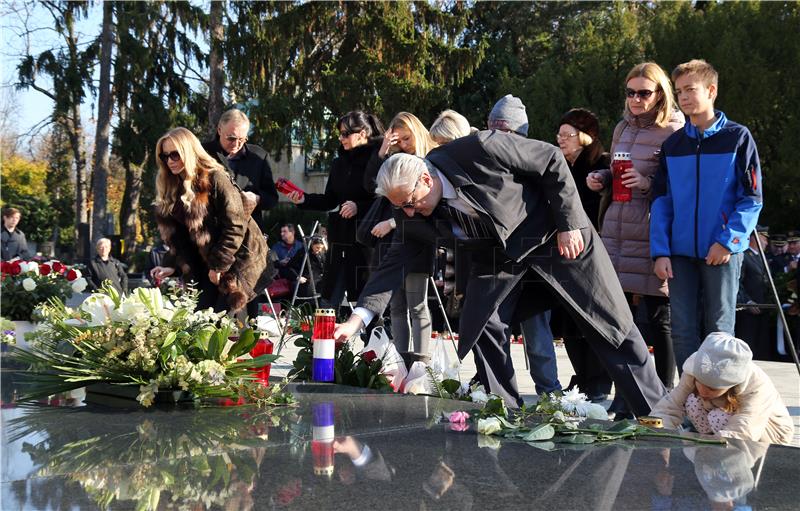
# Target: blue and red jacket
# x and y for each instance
(707, 190)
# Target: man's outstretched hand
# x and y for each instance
(342, 332)
(570, 244)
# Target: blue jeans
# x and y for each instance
(541, 353)
(699, 292)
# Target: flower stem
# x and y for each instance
(651, 433)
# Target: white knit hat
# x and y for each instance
(721, 362)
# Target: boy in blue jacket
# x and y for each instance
(707, 197)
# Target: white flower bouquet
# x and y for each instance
(143, 339)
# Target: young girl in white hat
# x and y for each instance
(724, 393)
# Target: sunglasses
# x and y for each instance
(174, 156)
(642, 93)
(347, 133)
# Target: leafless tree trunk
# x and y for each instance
(217, 71)
(104, 110)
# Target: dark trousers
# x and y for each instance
(590, 374)
(629, 365)
(659, 334)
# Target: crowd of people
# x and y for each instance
(550, 240)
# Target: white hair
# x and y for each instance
(101, 241)
(400, 171)
(449, 126)
(235, 116)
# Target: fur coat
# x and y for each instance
(216, 233)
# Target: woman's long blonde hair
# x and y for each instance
(197, 163)
(666, 102)
(423, 142)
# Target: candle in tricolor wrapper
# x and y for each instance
(322, 436)
(286, 187)
(324, 346)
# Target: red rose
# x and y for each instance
(72, 275)
(305, 327)
(58, 267)
(14, 268)
(44, 269)
(369, 356)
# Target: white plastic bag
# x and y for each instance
(441, 362)
(393, 366)
(418, 380)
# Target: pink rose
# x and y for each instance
(459, 417)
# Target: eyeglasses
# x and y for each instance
(567, 135)
(174, 156)
(643, 93)
(412, 204)
(231, 138)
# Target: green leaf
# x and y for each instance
(247, 340)
(451, 386)
(539, 432)
(623, 426)
(259, 361)
(169, 339)
(495, 407)
(202, 337)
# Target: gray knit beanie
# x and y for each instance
(721, 362)
(509, 114)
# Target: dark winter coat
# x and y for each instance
(251, 172)
(345, 183)
(111, 270)
(589, 198)
(14, 244)
(215, 233)
(523, 189)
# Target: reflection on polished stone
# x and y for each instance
(342, 448)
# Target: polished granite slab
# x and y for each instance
(343, 448)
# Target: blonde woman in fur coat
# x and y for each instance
(213, 241)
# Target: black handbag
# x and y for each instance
(380, 210)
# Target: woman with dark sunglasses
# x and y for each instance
(360, 135)
(200, 216)
(650, 117)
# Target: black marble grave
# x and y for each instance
(343, 448)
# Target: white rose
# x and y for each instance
(479, 396)
(28, 284)
(29, 267)
(489, 426)
(78, 285)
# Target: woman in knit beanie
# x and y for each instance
(578, 136)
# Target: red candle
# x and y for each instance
(263, 347)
